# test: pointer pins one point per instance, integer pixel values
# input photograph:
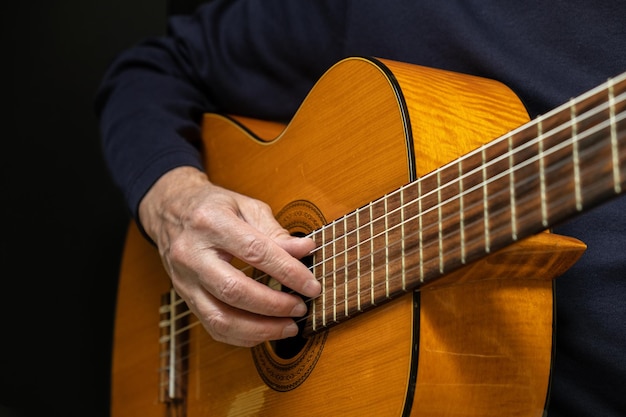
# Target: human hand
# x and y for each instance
(199, 228)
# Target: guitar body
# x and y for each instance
(477, 342)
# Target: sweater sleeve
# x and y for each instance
(244, 57)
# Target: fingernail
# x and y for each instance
(299, 310)
(291, 330)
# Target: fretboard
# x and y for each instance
(546, 171)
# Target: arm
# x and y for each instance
(150, 104)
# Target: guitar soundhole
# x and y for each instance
(285, 364)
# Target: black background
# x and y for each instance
(63, 220)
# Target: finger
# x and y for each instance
(265, 254)
(298, 247)
(238, 327)
(234, 288)
(268, 256)
(192, 266)
(263, 220)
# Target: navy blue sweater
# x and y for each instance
(260, 58)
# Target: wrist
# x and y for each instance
(164, 199)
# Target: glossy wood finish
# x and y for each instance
(475, 339)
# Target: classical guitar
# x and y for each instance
(430, 196)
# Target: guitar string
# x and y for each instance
(598, 109)
(556, 148)
(620, 118)
(434, 261)
(500, 158)
(196, 322)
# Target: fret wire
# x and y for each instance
(420, 229)
(576, 160)
(512, 202)
(345, 262)
(386, 200)
(614, 144)
(542, 175)
(324, 263)
(461, 212)
(334, 306)
(403, 240)
(358, 257)
(313, 307)
(439, 222)
(371, 238)
(485, 200)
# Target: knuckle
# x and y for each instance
(277, 306)
(289, 269)
(254, 249)
(221, 329)
(218, 326)
(206, 219)
(265, 208)
(178, 250)
(199, 215)
(286, 273)
(231, 291)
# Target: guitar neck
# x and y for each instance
(547, 171)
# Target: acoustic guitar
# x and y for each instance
(430, 195)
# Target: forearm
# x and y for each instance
(149, 120)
